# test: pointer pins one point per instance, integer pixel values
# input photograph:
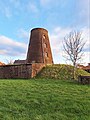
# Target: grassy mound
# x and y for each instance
(41, 99)
(60, 71)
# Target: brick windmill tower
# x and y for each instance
(39, 50)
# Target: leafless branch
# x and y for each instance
(73, 46)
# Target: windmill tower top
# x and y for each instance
(39, 50)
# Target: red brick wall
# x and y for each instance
(36, 68)
(16, 71)
(20, 71)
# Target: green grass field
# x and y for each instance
(44, 99)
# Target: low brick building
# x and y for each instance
(86, 68)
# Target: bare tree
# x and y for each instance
(9, 61)
(73, 46)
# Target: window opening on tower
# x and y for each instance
(46, 54)
(45, 45)
(44, 36)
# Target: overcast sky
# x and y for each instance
(59, 17)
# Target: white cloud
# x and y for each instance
(86, 37)
(3, 52)
(11, 48)
(7, 41)
(56, 41)
(86, 58)
(58, 35)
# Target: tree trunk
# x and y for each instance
(74, 70)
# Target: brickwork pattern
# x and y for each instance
(20, 71)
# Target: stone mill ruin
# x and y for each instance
(38, 56)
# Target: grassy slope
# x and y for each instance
(60, 72)
(41, 99)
